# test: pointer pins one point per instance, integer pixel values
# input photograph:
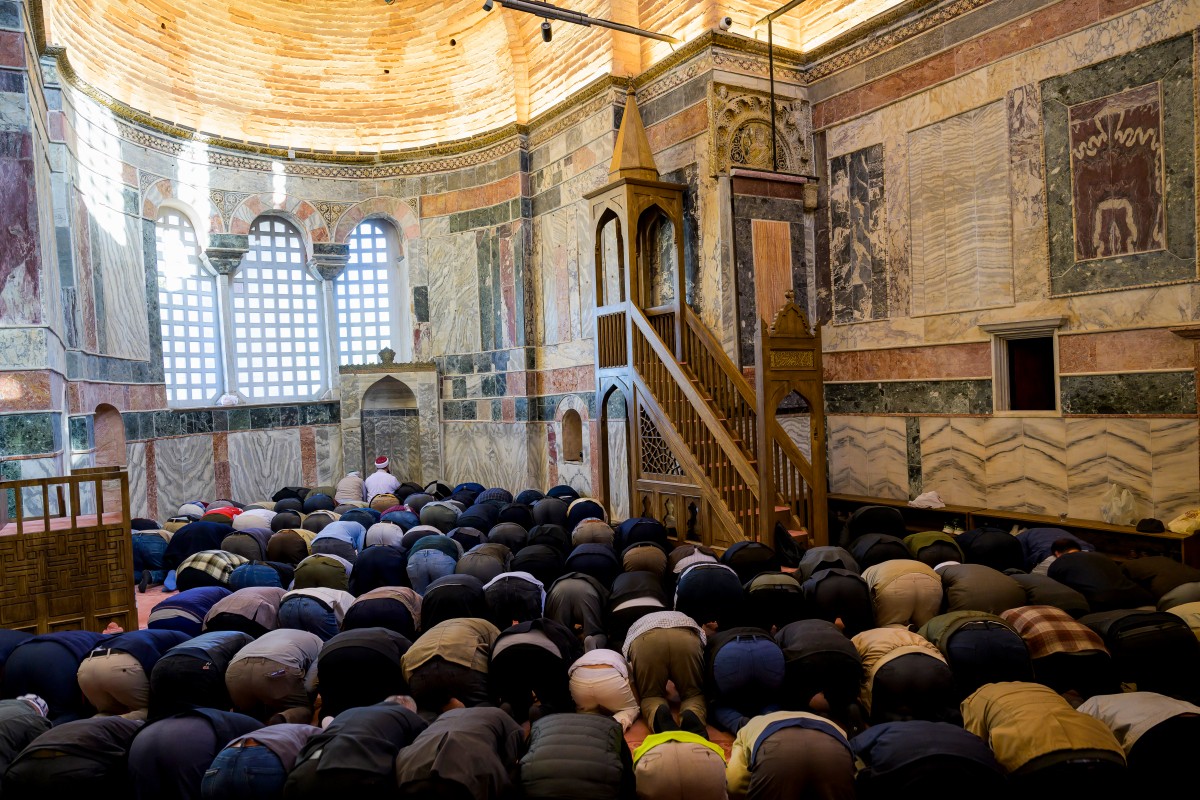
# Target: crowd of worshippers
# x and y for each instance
(464, 643)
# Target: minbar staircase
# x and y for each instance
(707, 453)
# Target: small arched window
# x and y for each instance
(572, 437)
(367, 294)
(187, 313)
(276, 316)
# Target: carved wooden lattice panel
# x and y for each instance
(657, 457)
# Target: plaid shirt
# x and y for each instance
(1047, 630)
(219, 564)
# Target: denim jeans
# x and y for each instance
(148, 549)
(244, 772)
(308, 614)
(426, 566)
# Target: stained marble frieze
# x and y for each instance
(1120, 171)
(1117, 174)
(857, 241)
(961, 214)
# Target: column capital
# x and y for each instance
(329, 260)
(225, 251)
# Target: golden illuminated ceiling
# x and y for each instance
(365, 76)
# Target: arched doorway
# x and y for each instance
(109, 430)
(390, 428)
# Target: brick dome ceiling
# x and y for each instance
(362, 75)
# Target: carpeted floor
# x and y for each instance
(634, 736)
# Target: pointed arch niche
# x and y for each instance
(391, 409)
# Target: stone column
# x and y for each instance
(329, 261)
(224, 253)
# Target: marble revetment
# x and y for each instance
(857, 237)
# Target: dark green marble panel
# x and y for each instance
(1169, 63)
(80, 430)
(910, 397)
(1129, 393)
(28, 434)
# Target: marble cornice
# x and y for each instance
(415, 366)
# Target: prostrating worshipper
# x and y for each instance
(377, 566)
(644, 556)
(1043, 591)
(1039, 545)
(904, 677)
(22, 719)
(289, 545)
(360, 668)
(249, 543)
(381, 481)
(872, 519)
(274, 674)
(207, 568)
(577, 756)
(634, 595)
(748, 559)
(578, 601)
(669, 646)
(677, 765)
(1170, 582)
(822, 667)
(875, 548)
(509, 534)
(253, 610)
(1067, 655)
(600, 684)
(341, 538)
(599, 561)
(1049, 749)
(485, 561)
(85, 757)
(773, 600)
(980, 648)
(933, 547)
(550, 511)
(816, 559)
(323, 570)
(255, 766)
(452, 597)
(442, 515)
(351, 488)
(168, 758)
(186, 611)
(192, 674)
(638, 529)
(1157, 733)
(974, 587)
(514, 597)
(383, 533)
(745, 671)
(930, 760)
(317, 610)
(993, 548)
(528, 668)
(115, 677)
(432, 557)
(448, 664)
(1152, 650)
(789, 755)
(466, 754)
(711, 593)
(192, 539)
(905, 592)
(149, 548)
(542, 561)
(590, 531)
(1098, 578)
(396, 608)
(316, 521)
(841, 597)
(48, 666)
(318, 500)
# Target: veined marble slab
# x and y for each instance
(185, 472)
(328, 440)
(868, 455)
(138, 501)
(122, 283)
(453, 293)
(618, 470)
(494, 454)
(262, 462)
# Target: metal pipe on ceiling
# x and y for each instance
(549, 11)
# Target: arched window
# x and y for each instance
(572, 436)
(367, 295)
(276, 316)
(187, 313)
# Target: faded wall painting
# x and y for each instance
(1120, 171)
(858, 236)
(1117, 174)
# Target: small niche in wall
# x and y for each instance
(572, 437)
(1025, 365)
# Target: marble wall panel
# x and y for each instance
(1004, 463)
(138, 501)
(618, 470)
(262, 462)
(1087, 466)
(960, 213)
(399, 439)
(120, 277)
(31, 499)
(799, 429)
(1044, 445)
(857, 236)
(328, 442)
(453, 293)
(1174, 467)
(867, 455)
(494, 454)
(184, 471)
(953, 456)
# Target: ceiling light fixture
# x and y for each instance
(549, 12)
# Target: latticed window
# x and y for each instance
(187, 313)
(364, 294)
(276, 316)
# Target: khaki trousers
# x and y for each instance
(913, 599)
(114, 683)
(669, 654)
(601, 689)
(680, 771)
(260, 687)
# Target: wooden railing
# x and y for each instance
(719, 380)
(791, 476)
(662, 321)
(730, 476)
(611, 348)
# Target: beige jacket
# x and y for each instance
(878, 646)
